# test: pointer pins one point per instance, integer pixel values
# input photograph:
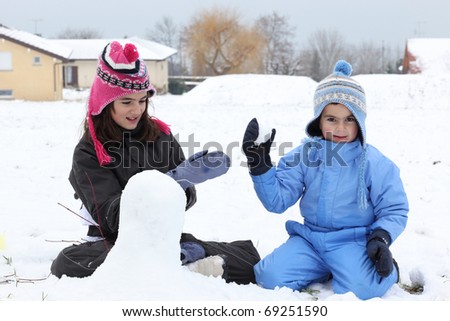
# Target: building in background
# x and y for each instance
(424, 55)
(37, 69)
(79, 73)
(30, 66)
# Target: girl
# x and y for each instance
(121, 140)
(351, 198)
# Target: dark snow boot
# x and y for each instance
(240, 257)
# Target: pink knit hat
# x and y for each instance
(120, 72)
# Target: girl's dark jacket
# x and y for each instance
(100, 187)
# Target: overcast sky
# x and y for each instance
(388, 21)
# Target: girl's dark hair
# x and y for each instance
(107, 130)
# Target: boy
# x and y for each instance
(351, 198)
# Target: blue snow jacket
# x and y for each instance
(325, 177)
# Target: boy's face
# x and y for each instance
(338, 124)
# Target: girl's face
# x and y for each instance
(338, 124)
(128, 110)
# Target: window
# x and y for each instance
(6, 93)
(5, 61)
(36, 60)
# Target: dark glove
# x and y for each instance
(377, 248)
(200, 167)
(258, 157)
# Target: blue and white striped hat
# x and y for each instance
(340, 88)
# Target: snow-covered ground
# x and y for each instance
(408, 120)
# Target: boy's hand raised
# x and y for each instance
(258, 157)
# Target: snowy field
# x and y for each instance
(408, 120)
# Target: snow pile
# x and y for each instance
(252, 90)
(406, 91)
(151, 222)
(76, 94)
(147, 251)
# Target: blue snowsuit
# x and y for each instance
(332, 239)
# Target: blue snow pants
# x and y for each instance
(309, 256)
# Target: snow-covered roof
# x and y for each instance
(431, 54)
(89, 49)
(41, 44)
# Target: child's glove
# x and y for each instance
(191, 252)
(200, 167)
(258, 157)
(377, 248)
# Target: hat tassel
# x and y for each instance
(102, 155)
(362, 199)
(161, 125)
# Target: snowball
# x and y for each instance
(265, 130)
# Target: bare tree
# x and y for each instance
(279, 55)
(328, 46)
(325, 48)
(79, 33)
(372, 58)
(368, 59)
(167, 32)
(217, 43)
(392, 58)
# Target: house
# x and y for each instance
(427, 55)
(79, 73)
(35, 68)
(30, 66)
